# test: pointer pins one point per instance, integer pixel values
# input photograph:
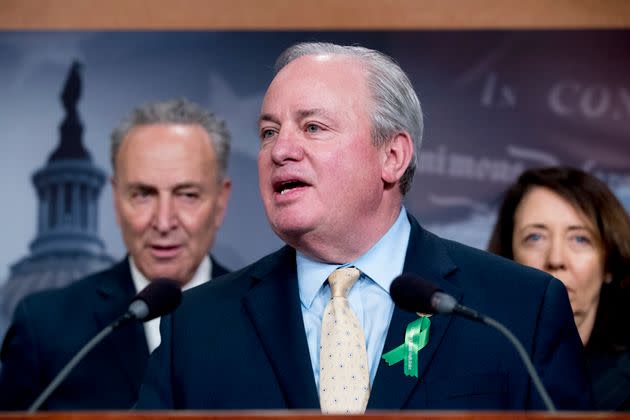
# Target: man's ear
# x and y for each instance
(398, 153)
(223, 197)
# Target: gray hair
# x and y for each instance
(396, 106)
(176, 111)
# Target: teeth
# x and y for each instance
(288, 186)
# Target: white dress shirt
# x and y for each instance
(369, 297)
(152, 328)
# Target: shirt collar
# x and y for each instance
(382, 263)
(201, 276)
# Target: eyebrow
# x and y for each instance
(268, 117)
(543, 226)
(185, 185)
(141, 185)
(530, 226)
(301, 114)
(535, 225)
(305, 113)
(580, 227)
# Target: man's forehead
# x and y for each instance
(309, 80)
(161, 126)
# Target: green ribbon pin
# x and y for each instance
(416, 337)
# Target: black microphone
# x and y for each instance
(159, 298)
(414, 294)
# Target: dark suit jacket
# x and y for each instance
(239, 342)
(610, 373)
(50, 327)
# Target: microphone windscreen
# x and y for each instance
(162, 296)
(412, 293)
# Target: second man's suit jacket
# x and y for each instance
(50, 327)
(239, 342)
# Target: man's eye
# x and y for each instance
(141, 193)
(312, 128)
(266, 133)
(189, 195)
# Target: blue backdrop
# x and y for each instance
(496, 102)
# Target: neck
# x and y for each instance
(345, 245)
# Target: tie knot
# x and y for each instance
(342, 279)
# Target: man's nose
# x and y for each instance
(287, 146)
(165, 218)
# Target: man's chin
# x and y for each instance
(290, 233)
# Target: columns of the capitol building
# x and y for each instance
(92, 199)
(84, 207)
(52, 206)
(69, 204)
(62, 207)
(55, 191)
(45, 207)
(76, 205)
(90, 209)
(42, 213)
(49, 207)
(61, 214)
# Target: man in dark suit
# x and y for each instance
(340, 130)
(170, 191)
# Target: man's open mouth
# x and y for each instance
(285, 186)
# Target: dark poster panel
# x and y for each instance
(495, 103)
(498, 102)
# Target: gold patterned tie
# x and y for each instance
(344, 380)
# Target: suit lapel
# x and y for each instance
(128, 344)
(273, 306)
(426, 257)
(217, 269)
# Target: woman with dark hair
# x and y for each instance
(568, 223)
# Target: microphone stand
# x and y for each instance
(475, 316)
(528, 363)
(123, 319)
